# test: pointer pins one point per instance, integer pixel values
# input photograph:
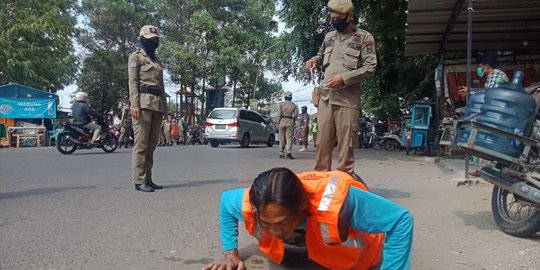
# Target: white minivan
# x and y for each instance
(227, 125)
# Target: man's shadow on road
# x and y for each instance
(203, 183)
(38, 191)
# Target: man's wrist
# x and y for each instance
(232, 252)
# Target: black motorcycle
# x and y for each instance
(73, 136)
(195, 134)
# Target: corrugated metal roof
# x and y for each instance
(498, 25)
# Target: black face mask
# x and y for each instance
(149, 46)
(340, 24)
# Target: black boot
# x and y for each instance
(154, 186)
(289, 156)
(144, 188)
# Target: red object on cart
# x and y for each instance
(175, 131)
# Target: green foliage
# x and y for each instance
(36, 43)
(396, 76)
(104, 78)
(109, 36)
(225, 38)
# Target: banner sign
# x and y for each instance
(27, 108)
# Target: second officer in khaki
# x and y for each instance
(347, 56)
(286, 116)
(148, 106)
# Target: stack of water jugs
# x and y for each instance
(505, 107)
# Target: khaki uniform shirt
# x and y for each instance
(145, 71)
(287, 114)
(351, 55)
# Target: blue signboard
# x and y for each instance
(27, 108)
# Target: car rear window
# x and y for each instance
(223, 114)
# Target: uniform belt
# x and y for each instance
(150, 90)
(286, 116)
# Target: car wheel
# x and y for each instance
(214, 143)
(244, 143)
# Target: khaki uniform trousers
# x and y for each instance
(336, 123)
(146, 131)
(286, 134)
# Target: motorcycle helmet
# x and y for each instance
(81, 96)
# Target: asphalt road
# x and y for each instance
(81, 211)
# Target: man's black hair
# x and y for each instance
(489, 58)
(277, 185)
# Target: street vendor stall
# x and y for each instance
(20, 106)
(457, 30)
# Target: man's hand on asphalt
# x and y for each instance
(136, 113)
(231, 261)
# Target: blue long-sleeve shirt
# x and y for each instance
(370, 213)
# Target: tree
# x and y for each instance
(36, 43)
(110, 35)
(224, 38)
(103, 76)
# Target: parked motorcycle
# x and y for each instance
(72, 137)
(195, 136)
(506, 130)
(393, 141)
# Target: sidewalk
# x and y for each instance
(457, 165)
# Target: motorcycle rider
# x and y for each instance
(82, 115)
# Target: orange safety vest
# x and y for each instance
(327, 192)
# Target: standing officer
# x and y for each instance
(304, 126)
(347, 56)
(126, 125)
(287, 114)
(148, 106)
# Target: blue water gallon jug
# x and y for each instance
(474, 104)
(507, 108)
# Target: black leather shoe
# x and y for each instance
(281, 156)
(289, 156)
(154, 186)
(144, 188)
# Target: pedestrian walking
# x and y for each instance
(346, 57)
(184, 126)
(126, 125)
(167, 130)
(314, 129)
(148, 106)
(341, 224)
(286, 116)
(304, 128)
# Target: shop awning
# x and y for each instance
(498, 25)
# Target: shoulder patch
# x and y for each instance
(369, 42)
